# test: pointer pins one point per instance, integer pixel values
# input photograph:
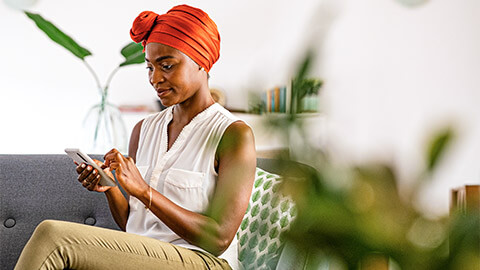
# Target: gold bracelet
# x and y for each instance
(150, 200)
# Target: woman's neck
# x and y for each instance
(184, 112)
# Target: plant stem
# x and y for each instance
(100, 89)
(110, 77)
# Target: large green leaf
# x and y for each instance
(58, 36)
(133, 54)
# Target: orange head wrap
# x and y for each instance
(185, 28)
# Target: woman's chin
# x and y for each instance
(166, 102)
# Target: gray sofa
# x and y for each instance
(38, 187)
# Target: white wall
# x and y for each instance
(46, 91)
(392, 73)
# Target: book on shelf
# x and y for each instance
(275, 99)
(465, 199)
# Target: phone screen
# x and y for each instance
(80, 156)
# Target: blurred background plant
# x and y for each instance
(103, 124)
(355, 216)
(255, 103)
(304, 89)
(304, 92)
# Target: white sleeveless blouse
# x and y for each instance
(185, 173)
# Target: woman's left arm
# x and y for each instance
(214, 230)
(236, 173)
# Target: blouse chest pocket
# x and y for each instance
(186, 189)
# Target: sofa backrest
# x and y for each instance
(38, 187)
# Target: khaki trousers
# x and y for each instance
(66, 245)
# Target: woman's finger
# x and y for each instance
(80, 168)
(92, 176)
(85, 173)
(85, 183)
(114, 165)
(131, 159)
(96, 180)
(102, 188)
(120, 159)
(93, 183)
(110, 152)
(99, 163)
(110, 156)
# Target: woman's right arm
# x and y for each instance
(116, 201)
(118, 205)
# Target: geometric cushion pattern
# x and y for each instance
(268, 216)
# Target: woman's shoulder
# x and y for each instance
(238, 130)
(219, 109)
(237, 144)
(233, 125)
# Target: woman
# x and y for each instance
(189, 172)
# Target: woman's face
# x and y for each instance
(174, 76)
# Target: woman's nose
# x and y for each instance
(156, 77)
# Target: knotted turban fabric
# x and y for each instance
(185, 28)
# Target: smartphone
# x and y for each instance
(80, 157)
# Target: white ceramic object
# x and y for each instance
(412, 3)
(20, 4)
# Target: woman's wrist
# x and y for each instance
(111, 191)
(149, 199)
(145, 196)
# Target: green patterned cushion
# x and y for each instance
(268, 215)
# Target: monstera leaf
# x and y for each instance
(58, 36)
(133, 54)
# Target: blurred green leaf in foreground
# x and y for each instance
(368, 217)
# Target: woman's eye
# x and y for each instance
(150, 68)
(167, 67)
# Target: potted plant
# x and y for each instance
(103, 123)
(304, 89)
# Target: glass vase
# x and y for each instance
(104, 129)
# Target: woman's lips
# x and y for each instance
(163, 92)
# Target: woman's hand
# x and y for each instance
(89, 177)
(127, 173)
